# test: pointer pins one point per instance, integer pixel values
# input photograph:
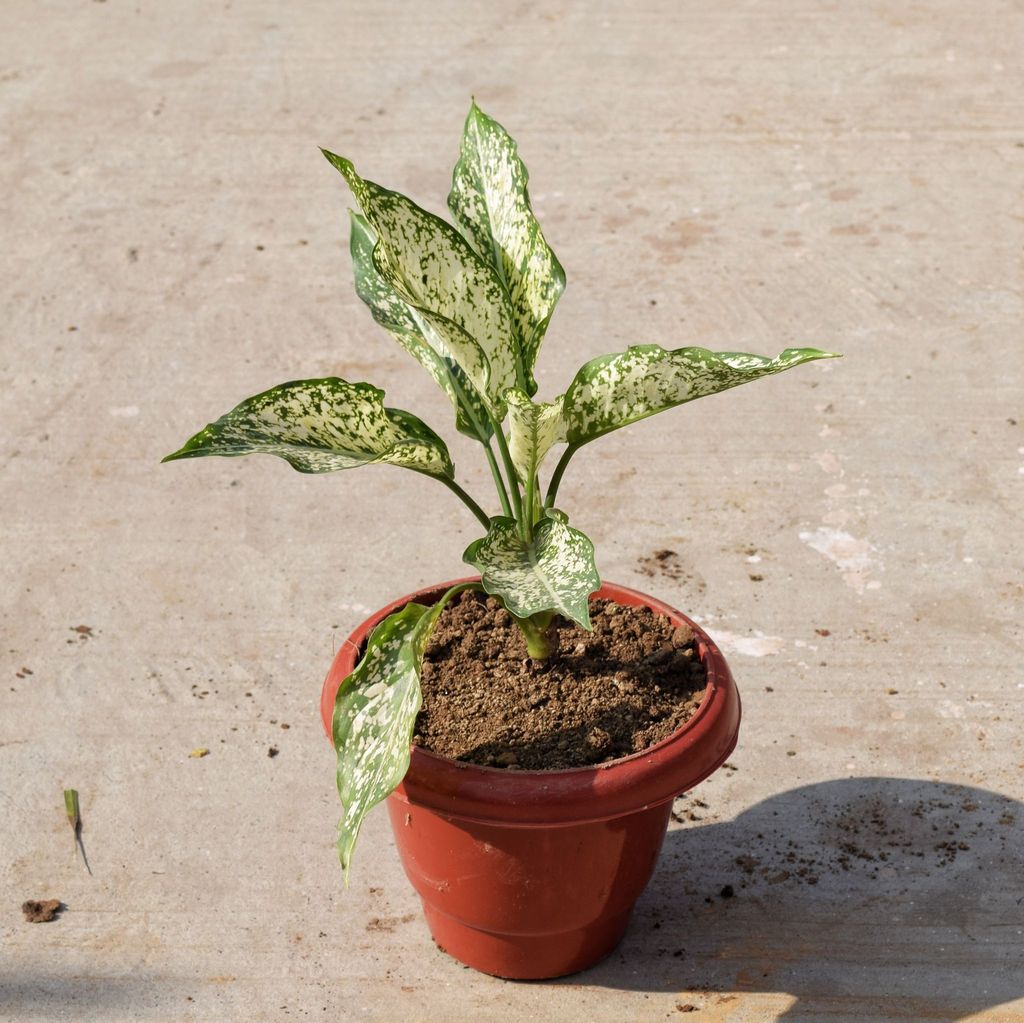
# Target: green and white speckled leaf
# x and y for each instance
(321, 426)
(616, 390)
(491, 204)
(553, 572)
(445, 284)
(533, 428)
(392, 313)
(374, 715)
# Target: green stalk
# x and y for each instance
(458, 588)
(535, 632)
(462, 496)
(499, 483)
(467, 407)
(556, 477)
(510, 471)
(530, 502)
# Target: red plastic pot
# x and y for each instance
(533, 874)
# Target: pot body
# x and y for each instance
(533, 874)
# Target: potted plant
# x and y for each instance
(526, 868)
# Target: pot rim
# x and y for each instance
(565, 795)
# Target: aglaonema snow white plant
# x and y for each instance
(471, 302)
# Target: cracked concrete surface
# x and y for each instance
(741, 176)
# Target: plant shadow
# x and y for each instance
(875, 899)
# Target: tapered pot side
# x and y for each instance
(533, 874)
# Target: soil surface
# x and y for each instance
(601, 695)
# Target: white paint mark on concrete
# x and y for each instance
(754, 559)
(758, 645)
(829, 462)
(853, 557)
(358, 608)
(125, 411)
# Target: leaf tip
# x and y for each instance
(818, 353)
(190, 449)
(339, 163)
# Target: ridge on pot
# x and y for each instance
(532, 874)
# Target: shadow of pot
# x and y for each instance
(873, 899)
(534, 874)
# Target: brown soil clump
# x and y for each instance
(37, 912)
(601, 695)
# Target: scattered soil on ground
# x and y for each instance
(876, 838)
(662, 562)
(667, 564)
(388, 923)
(601, 695)
(43, 912)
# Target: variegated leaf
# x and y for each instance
(395, 316)
(374, 715)
(490, 203)
(616, 390)
(321, 426)
(553, 572)
(533, 428)
(445, 284)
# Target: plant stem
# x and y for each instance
(467, 407)
(498, 481)
(464, 497)
(439, 605)
(535, 632)
(428, 621)
(510, 471)
(556, 477)
(530, 501)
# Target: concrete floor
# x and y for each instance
(746, 176)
